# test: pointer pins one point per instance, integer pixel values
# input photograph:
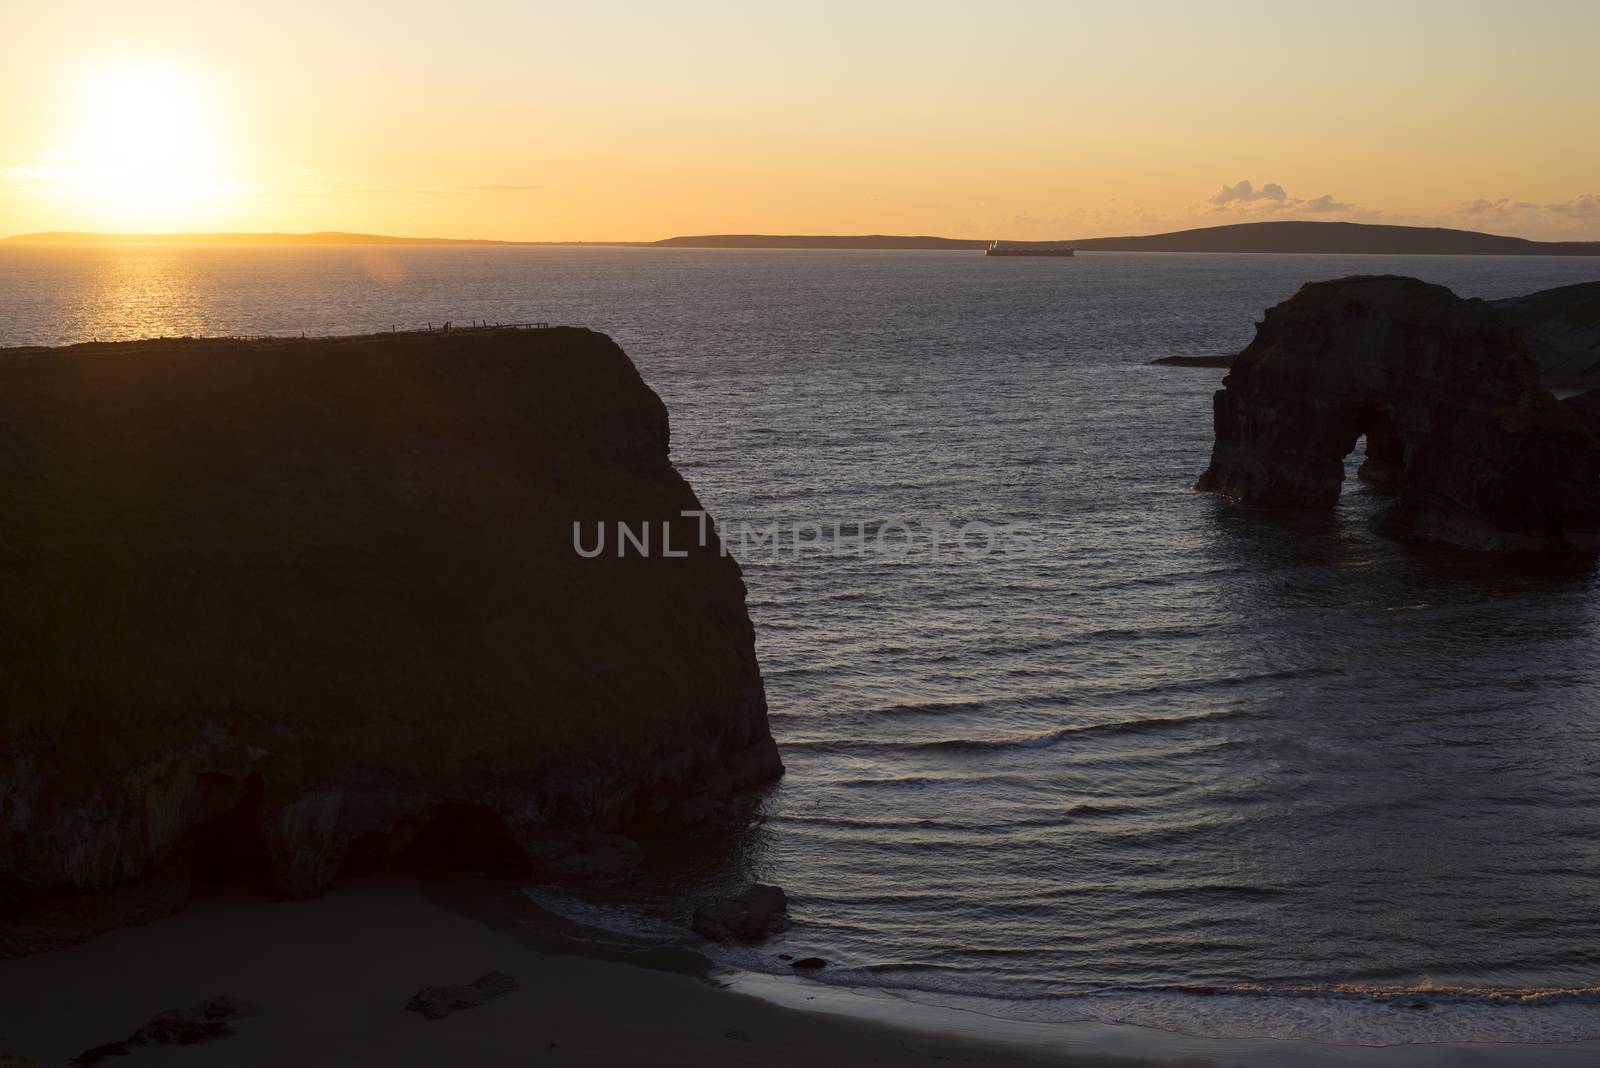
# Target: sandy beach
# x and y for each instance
(330, 978)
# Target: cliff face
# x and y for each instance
(1562, 330)
(1458, 429)
(301, 605)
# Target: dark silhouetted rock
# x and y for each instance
(1194, 361)
(1562, 330)
(748, 917)
(599, 856)
(437, 1002)
(1476, 453)
(1586, 406)
(292, 607)
(809, 964)
(205, 1022)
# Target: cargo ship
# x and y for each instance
(1022, 248)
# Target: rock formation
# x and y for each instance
(1562, 330)
(761, 910)
(1223, 360)
(1587, 408)
(437, 1002)
(206, 1022)
(294, 607)
(1559, 327)
(1476, 453)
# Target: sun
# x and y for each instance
(147, 145)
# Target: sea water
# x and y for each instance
(1153, 760)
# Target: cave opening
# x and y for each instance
(449, 838)
(1384, 467)
(228, 848)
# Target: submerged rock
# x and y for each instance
(809, 964)
(288, 608)
(748, 917)
(437, 1002)
(1459, 430)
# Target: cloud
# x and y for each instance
(1273, 199)
(1585, 207)
(1244, 193)
(1324, 204)
(1503, 209)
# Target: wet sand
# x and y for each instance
(330, 979)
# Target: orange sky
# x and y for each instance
(492, 118)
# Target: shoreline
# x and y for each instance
(331, 976)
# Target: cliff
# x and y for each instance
(1459, 430)
(296, 606)
(1561, 328)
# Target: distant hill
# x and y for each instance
(322, 237)
(1309, 237)
(864, 241)
(1312, 237)
(326, 237)
(1339, 237)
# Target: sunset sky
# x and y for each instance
(634, 121)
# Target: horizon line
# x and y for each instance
(345, 237)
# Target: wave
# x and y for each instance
(1038, 740)
(1346, 1014)
(1364, 1014)
(1055, 699)
(987, 827)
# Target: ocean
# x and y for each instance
(1065, 740)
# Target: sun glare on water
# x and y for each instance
(147, 148)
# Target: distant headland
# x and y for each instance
(320, 237)
(877, 242)
(1326, 238)
(1330, 238)
(1304, 237)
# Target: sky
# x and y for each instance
(636, 121)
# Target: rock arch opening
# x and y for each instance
(1459, 432)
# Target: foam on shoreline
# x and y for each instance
(1351, 1016)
